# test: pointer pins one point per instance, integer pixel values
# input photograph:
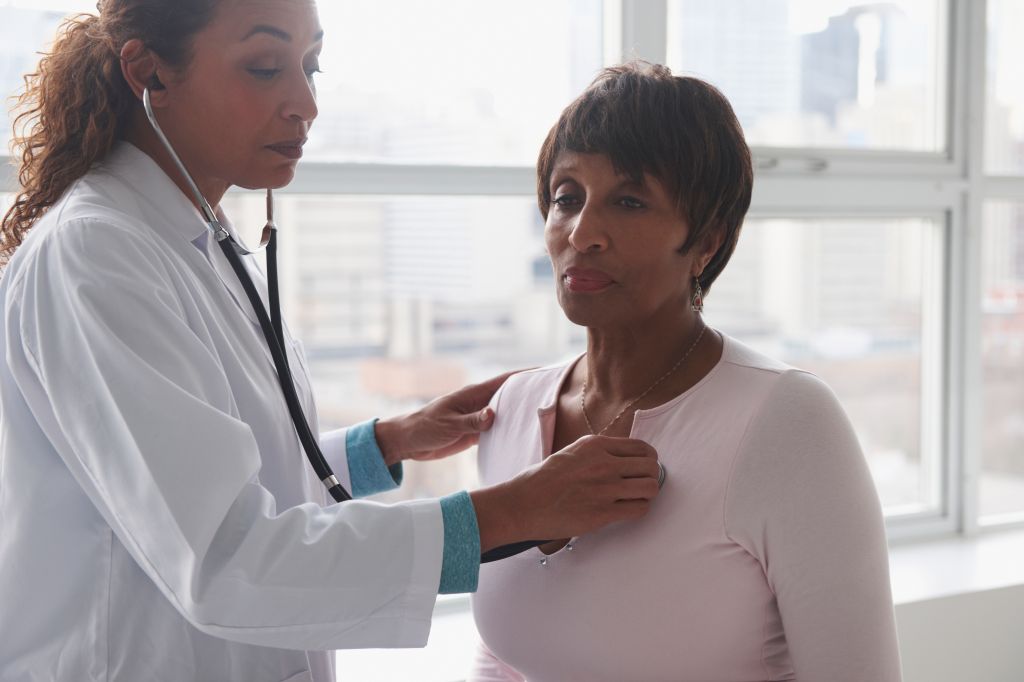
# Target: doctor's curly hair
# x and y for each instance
(77, 102)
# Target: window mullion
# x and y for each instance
(966, 392)
(643, 30)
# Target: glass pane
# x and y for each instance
(482, 85)
(1002, 475)
(27, 28)
(400, 299)
(807, 73)
(857, 303)
(463, 82)
(1004, 110)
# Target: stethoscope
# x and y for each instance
(273, 331)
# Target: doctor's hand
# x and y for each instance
(442, 427)
(596, 481)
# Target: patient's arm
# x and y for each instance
(489, 668)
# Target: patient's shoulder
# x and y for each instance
(531, 389)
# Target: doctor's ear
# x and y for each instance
(141, 69)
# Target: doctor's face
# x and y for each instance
(240, 111)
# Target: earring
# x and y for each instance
(697, 301)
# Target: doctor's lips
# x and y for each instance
(586, 280)
(291, 149)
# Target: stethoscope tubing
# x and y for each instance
(274, 336)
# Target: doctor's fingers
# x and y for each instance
(636, 489)
(637, 467)
(477, 396)
(629, 510)
(620, 447)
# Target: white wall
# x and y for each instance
(972, 637)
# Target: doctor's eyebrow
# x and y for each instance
(277, 33)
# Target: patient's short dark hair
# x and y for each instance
(681, 130)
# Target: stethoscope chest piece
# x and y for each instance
(661, 475)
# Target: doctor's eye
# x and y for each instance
(264, 74)
(631, 202)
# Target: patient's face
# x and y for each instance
(614, 245)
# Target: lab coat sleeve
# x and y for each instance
(142, 414)
(802, 502)
(354, 451)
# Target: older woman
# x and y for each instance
(764, 557)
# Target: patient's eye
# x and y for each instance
(565, 200)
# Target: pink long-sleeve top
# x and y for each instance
(763, 558)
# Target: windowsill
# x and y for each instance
(935, 569)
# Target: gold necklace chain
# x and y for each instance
(634, 401)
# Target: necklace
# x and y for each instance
(634, 401)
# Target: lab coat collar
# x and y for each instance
(140, 172)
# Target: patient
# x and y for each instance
(764, 556)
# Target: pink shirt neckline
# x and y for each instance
(551, 399)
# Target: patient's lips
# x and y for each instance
(586, 280)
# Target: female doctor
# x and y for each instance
(158, 519)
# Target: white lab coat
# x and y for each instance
(158, 517)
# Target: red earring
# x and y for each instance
(697, 301)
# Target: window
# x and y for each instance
(1000, 272)
(1004, 113)
(474, 82)
(844, 74)
(393, 275)
(27, 29)
(1002, 473)
(857, 302)
(399, 299)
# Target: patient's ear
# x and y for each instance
(706, 249)
(142, 69)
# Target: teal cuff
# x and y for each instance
(366, 467)
(460, 565)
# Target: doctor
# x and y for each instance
(158, 520)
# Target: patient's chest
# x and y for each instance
(668, 597)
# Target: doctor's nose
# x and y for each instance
(301, 102)
(588, 232)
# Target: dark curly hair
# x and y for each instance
(77, 103)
